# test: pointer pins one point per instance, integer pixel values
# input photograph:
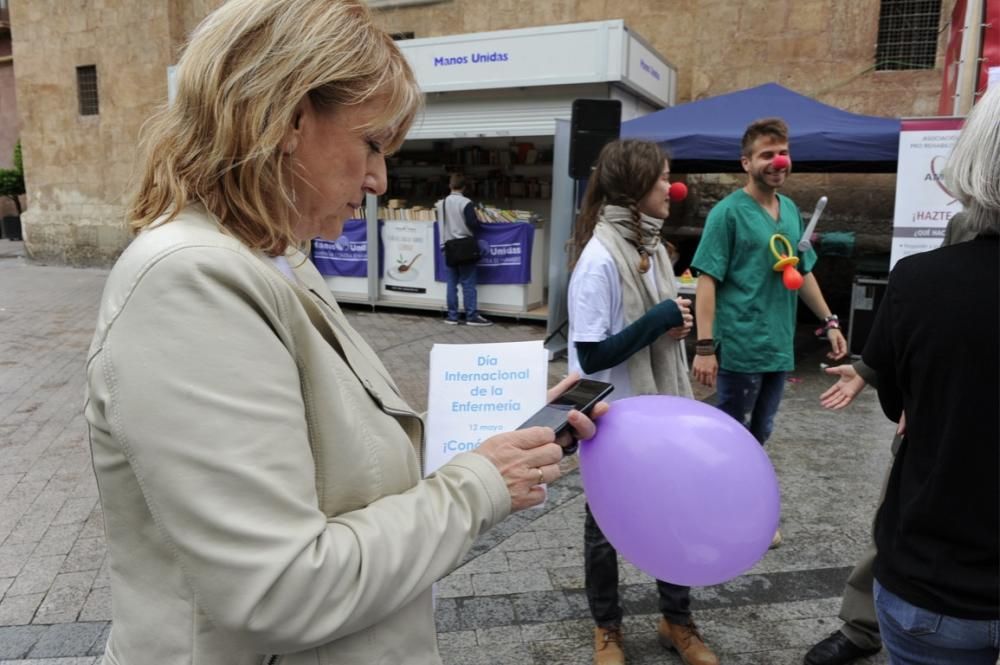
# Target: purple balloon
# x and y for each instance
(682, 491)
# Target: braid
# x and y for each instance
(633, 208)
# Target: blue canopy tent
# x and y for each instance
(704, 136)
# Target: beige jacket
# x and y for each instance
(259, 471)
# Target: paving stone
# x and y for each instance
(75, 510)
(17, 610)
(458, 639)
(473, 613)
(501, 636)
(94, 526)
(59, 539)
(103, 578)
(97, 607)
(542, 558)
(496, 584)
(522, 540)
(98, 647)
(71, 639)
(456, 584)
(65, 599)
(7, 480)
(87, 554)
(14, 557)
(37, 575)
(16, 641)
(53, 661)
(542, 607)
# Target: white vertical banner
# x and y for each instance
(923, 203)
(409, 256)
(479, 390)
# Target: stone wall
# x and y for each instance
(8, 114)
(78, 167)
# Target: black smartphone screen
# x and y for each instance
(582, 396)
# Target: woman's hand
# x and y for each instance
(526, 458)
(705, 369)
(683, 330)
(838, 345)
(581, 426)
(843, 392)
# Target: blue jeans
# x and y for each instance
(466, 276)
(758, 394)
(915, 636)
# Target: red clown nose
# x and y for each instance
(678, 191)
(781, 162)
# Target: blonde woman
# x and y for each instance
(259, 471)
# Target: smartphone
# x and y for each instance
(584, 394)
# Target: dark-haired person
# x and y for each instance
(627, 326)
(458, 220)
(744, 315)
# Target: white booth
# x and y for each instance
(493, 102)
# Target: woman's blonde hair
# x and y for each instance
(239, 81)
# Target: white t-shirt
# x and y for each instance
(596, 310)
(282, 264)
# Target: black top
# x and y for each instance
(618, 348)
(935, 344)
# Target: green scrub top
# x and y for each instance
(754, 312)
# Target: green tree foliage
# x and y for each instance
(12, 180)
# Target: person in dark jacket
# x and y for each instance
(934, 346)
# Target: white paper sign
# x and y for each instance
(409, 257)
(479, 390)
(923, 204)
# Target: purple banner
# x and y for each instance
(347, 256)
(506, 250)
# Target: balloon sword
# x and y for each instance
(805, 244)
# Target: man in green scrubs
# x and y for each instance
(744, 313)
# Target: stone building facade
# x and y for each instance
(78, 166)
(8, 103)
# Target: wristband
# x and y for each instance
(831, 322)
(705, 347)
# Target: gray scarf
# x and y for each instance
(660, 368)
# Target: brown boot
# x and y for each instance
(686, 640)
(608, 646)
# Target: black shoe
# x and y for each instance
(837, 650)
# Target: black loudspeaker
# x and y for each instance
(594, 123)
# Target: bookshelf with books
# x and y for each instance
(510, 180)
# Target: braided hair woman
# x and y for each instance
(627, 326)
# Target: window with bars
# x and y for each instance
(907, 34)
(86, 89)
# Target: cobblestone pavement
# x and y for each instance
(517, 598)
